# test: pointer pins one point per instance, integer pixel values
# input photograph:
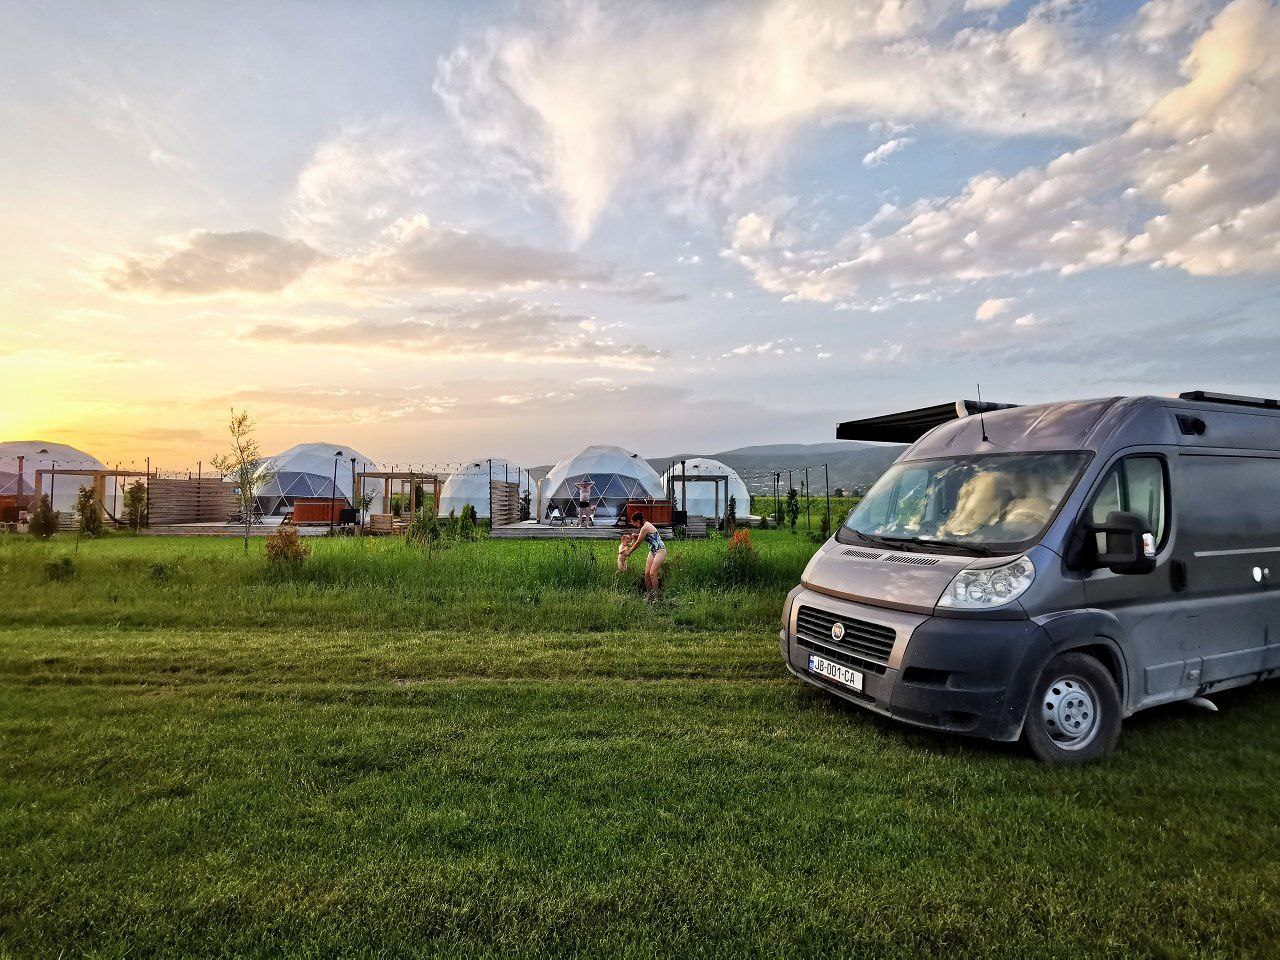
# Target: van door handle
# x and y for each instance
(1178, 575)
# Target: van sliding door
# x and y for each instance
(1229, 521)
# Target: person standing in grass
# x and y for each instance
(647, 533)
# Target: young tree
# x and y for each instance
(245, 465)
(730, 516)
(44, 522)
(793, 508)
(89, 512)
(526, 505)
(135, 505)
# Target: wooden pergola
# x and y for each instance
(684, 479)
(99, 478)
(406, 480)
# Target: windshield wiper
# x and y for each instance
(943, 544)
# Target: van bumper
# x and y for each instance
(966, 676)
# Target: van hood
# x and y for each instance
(886, 578)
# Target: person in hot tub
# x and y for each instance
(647, 534)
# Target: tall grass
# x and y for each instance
(368, 582)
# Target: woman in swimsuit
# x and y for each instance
(647, 533)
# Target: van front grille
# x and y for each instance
(863, 644)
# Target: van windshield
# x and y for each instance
(986, 504)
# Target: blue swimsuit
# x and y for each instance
(655, 542)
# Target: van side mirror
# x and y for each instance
(1131, 546)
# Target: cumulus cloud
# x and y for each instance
(1199, 172)
(699, 102)
(989, 309)
(412, 254)
(882, 153)
(497, 329)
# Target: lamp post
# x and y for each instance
(333, 489)
(359, 517)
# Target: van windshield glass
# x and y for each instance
(988, 503)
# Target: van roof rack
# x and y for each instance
(910, 425)
(1207, 396)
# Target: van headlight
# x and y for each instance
(983, 589)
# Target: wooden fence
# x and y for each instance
(505, 497)
(204, 500)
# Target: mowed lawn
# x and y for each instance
(496, 749)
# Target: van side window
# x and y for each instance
(1134, 485)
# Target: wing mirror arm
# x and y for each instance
(1131, 545)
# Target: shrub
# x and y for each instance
(44, 521)
(731, 515)
(793, 508)
(60, 571)
(89, 512)
(826, 525)
(467, 523)
(742, 561)
(285, 548)
(424, 529)
(159, 572)
(525, 506)
(135, 505)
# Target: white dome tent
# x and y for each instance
(470, 485)
(41, 455)
(307, 470)
(616, 475)
(708, 499)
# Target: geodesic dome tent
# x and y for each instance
(703, 498)
(42, 455)
(616, 476)
(471, 486)
(307, 471)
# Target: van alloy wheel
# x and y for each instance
(1070, 712)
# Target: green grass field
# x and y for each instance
(497, 749)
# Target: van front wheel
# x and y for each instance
(1075, 715)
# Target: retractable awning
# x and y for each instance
(910, 425)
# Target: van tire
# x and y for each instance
(1074, 716)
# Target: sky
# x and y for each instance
(440, 231)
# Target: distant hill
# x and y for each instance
(851, 465)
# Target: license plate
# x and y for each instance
(835, 671)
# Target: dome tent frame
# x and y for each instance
(617, 476)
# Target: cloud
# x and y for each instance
(1198, 173)
(412, 254)
(882, 153)
(700, 102)
(416, 254)
(318, 404)
(505, 330)
(990, 309)
(204, 262)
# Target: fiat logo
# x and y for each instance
(837, 631)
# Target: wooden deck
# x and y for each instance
(528, 530)
(223, 530)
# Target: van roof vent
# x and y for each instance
(1207, 396)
